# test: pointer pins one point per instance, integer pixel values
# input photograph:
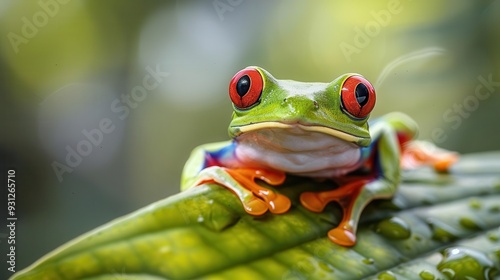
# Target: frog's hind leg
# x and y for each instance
(355, 192)
(417, 153)
(352, 198)
(405, 127)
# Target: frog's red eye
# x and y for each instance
(245, 88)
(358, 96)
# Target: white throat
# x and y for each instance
(298, 150)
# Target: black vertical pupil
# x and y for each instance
(362, 94)
(243, 85)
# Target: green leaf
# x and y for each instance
(436, 227)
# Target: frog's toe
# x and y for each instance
(444, 163)
(312, 202)
(342, 236)
(271, 177)
(280, 204)
(255, 206)
(418, 153)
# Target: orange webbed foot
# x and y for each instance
(347, 196)
(419, 153)
(256, 199)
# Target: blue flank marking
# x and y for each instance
(223, 154)
(366, 152)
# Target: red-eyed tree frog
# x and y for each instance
(317, 130)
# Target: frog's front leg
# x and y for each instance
(216, 163)
(355, 192)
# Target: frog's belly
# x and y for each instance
(298, 152)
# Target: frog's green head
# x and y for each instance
(340, 108)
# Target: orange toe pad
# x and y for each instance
(418, 153)
(342, 236)
(312, 202)
(264, 199)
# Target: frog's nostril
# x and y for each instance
(299, 104)
(316, 105)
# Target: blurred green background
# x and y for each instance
(67, 65)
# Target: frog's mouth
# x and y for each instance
(361, 141)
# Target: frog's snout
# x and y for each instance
(297, 104)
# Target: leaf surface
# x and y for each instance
(433, 220)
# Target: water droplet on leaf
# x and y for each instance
(442, 232)
(494, 209)
(368, 261)
(325, 267)
(394, 228)
(468, 223)
(493, 237)
(387, 275)
(465, 263)
(427, 275)
(475, 203)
